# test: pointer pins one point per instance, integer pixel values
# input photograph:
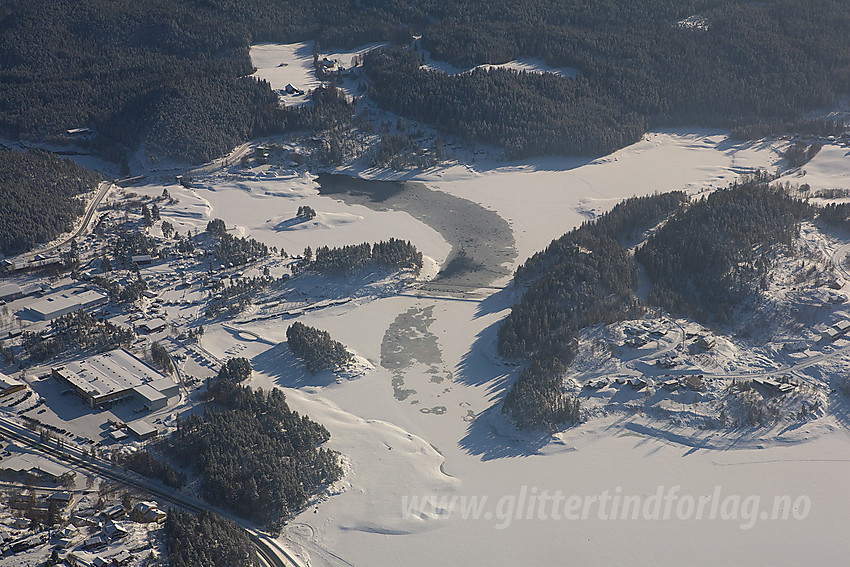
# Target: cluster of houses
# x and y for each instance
(639, 336)
(693, 382)
(836, 331)
(635, 382)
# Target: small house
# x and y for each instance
(695, 382)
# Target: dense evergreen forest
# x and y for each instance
(316, 348)
(583, 278)
(38, 197)
(143, 463)
(526, 114)
(709, 259)
(706, 261)
(256, 457)
(206, 539)
(173, 75)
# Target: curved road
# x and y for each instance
(103, 190)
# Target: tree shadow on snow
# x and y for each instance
(479, 366)
(287, 370)
(289, 223)
(485, 440)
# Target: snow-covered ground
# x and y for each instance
(422, 423)
(282, 65)
(420, 420)
(525, 64)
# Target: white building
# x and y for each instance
(110, 376)
(58, 304)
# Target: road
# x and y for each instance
(233, 157)
(102, 191)
(271, 551)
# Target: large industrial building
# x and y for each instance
(58, 304)
(115, 375)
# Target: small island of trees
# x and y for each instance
(316, 348)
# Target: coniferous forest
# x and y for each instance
(39, 197)
(256, 457)
(316, 348)
(206, 539)
(392, 254)
(173, 75)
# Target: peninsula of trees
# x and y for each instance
(709, 259)
(316, 348)
(393, 254)
(255, 456)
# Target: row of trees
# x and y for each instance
(392, 254)
(800, 153)
(143, 463)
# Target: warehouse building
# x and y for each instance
(58, 304)
(10, 292)
(150, 398)
(142, 429)
(167, 387)
(113, 376)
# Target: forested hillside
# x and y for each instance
(169, 74)
(710, 258)
(526, 114)
(173, 74)
(38, 197)
(642, 64)
(583, 278)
